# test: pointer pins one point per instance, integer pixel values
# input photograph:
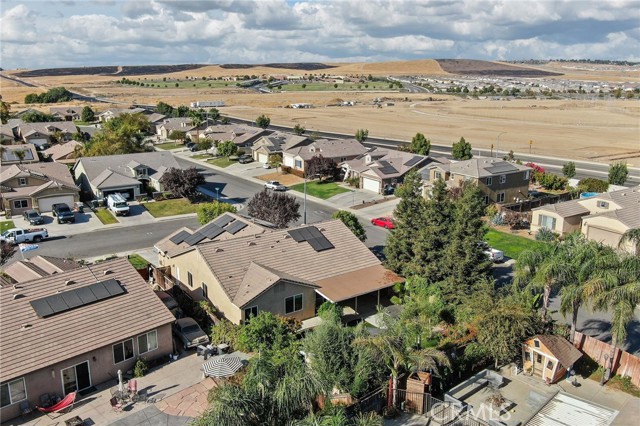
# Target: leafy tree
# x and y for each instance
(552, 181)
(352, 222)
(124, 134)
(593, 185)
(299, 130)
(208, 211)
(227, 148)
(87, 114)
(224, 120)
(321, 166)
(631, 236)
(20, 154)
(6, 252)
(214, 114)
(569, 170)
(420, 145)
(57, 94)
(35, 116)
(204, 144)
(177, 135)
(5, 112)
(275, 207)
(275, 161)
(225, 332)
(362, 135)
(462, 150)
(267, 332)
(183, 182)
(263, 121)
(164, 109)
(618, 173)
(181, 111)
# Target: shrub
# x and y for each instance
(140, 368)
(552, 182)
(545, 234)
(225, 332)
(593, 185)
(497, 220)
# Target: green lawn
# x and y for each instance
(6, 224)
(137, 261)
(320, 86)
(201, 156)
(106, 217)
(221, 162)
(169, 145)
(170, 207)
(322, 190)
(171, 84)
(511, 245)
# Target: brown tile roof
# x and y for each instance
(480, 167)
(561, 349)
(54, 172)
(565, 209)
(24, 270)
(356, 283)
(387, 163)
(62, 150)
(329, 148)
(31, 343)
(52, 264)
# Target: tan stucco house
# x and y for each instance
(268, 146)
(549, 357)
(63, 152)
(339, 150)
(10, 155)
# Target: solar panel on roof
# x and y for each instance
(413, 161)
(235, 227)
(501, 167)
(57, 303)
(99, 290)
(295, 234)
(41, 307)
(180, 237)
(71, 299)
(195, 239)
(86, 295)
(320, 243)
(386, 168)
(223, 220)
(113, 287)
(211, 231)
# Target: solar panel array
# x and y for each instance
(413, 161)
(313, 236)
(387, 168)
(501, 168)
(195, 238)
(211, 231)
(179, 237)
(71, 299)
(235, 227)
(223, 220)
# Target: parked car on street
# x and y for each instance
(33, 217)
(19, 235)
(189, 333)
(63, 213)
(385, 222)
(275, 185)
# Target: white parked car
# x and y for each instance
(275, 185)
(495, 255)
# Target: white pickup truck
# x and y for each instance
(19, 235)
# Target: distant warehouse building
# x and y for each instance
(207, 104)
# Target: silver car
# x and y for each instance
(189, 333)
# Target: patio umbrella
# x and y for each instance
(222, 366)
(120, 384)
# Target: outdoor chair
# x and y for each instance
(115, 405)
(25, 408)
(45, 400)
(133, 389)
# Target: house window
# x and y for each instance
(437, 175)
(20, 204)
(527, 356)
(190, 279)
(343, 159)
(536, 343)
(539, 358)
(527, 174)
(142, 172)
(503, 178)
(293, 304)
(489, 181)
(205, 291)
(22, 181)
(547, 222)
(500, 197)
(147, 342)
(12, 392)
(549, 365)
(122, 351)
(603, 204)
(298, 164)
(486, 199)
(250, 313)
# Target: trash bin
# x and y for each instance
(80, 207)
(201, 351)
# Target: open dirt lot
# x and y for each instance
(597, 130)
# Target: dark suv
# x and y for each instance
(63, 213)
(33, 217)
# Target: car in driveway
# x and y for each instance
(245, 159)
(33, 217)
(170, 303)
(385, 222)
(189, 333)
(275, 185)
(63, 213)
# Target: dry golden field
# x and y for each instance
(596, 130)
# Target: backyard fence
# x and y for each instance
(623, 363)
(445, 413)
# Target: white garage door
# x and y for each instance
(371, 185)
(44, 204)
(603, 236)
(263, 158)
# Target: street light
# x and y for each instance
(498, 143)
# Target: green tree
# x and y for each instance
(275, 161)
(20, 154)
(631, 236)
(164, 109)
(124, 134)
(227, 148)
(321, 166)
(214, 114)
(5, 112)
(35, 116)
(420, 145)
(618, 173)
(275, 207)
(362, 135)
(462, 150)
(183, 182)
(206, 212)
(267, 332)
(299, 130)
(593, 185)
(263, 121)
(177, 135)
(181, 111)
(352, 222)
(87, 114)
(569, 170)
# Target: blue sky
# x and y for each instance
(58, 33)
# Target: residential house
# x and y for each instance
(274, 144)
(500, 181)
(604, 217)
(242, 135)
(8, 132)
(72, 330)
(111, 113)
(549, 357)
(36, 186)
(38, 267)
(9, 155)
(66, 113)
(127, 174)
(339, 150)
(287, 272)
(378, 168)
(44, 134)
(180, 124)
(63, 152)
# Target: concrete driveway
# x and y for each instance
(85, 222)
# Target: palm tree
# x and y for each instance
(20, 154)
(532, 271)
(631, 236)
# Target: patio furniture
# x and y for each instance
(115, 404)
(67, 402)
(222, 366)
(25, 408)
(133, 390)
(45, 400)
(74, 421)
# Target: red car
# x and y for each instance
(385, 222)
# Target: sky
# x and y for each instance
(75, 33)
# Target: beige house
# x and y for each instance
(180, 124)
(241, 135)
(501, 181)
(339, 150)
(72, 330)
(286, 272)
(42, 134)
(549, 357)
(268, 146)
(63, 152)
(604, 217)
(36, 186)
(66, 113)
(38, 267)
(9, 155)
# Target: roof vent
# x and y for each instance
(321, 229)
(18, 296)
(69, 282)
(17, 287)
(25, 326)
(251, 243)
(287, 236)
(218, 250)
(107, 272)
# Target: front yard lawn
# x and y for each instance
(201, 156)
(106, 217)
(6, 224)
(221, 161)
(137, 261)
(322, 190)
(511, 245)
(169, 145)
(166, 208)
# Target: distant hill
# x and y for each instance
(486, 68)
(126, 70)
(305, 66)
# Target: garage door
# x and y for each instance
(126, 193)
(371, 185)
(263, 158)
(603, 236)
(44, 204)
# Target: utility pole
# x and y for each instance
(530, 143)
(498, 142)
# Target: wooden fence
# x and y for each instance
(624, 363)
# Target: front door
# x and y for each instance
(538, 364)
(76, 378)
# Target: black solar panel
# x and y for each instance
(211, 231)
(113, 287)
(42, 308)
(195, 239)
(223, 220)
(71, 299)
(501, 168)
(179, 237)
(320, 243)
(313, 236)
(235, 227)
(99, 290)
(295, 234)
(386, 168)
(86, 295)
(413, 161)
